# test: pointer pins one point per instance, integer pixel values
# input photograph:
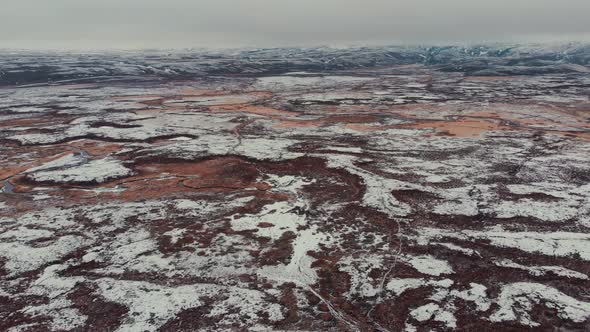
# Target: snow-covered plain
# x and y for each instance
(363, 192)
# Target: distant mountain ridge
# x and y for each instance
(21, 67)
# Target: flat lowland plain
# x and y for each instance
(314, 190)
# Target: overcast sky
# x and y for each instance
(131, 24)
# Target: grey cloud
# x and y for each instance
(238, 23)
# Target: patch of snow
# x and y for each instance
(69, 160)
(377, 189)
(346, 149)
(457, 202)
(22, 258)
(454, 247)
(181, 138)
(425, 312)
(267, 149)
(150, 305)
(428, 264)
(542, 270)
(516, 301)
(217, 145)
(50, 218)
(41, 197)
(399, 285)
(98, 171)
(216, 100)
(28, 109)
(549, 211)
(476, 294)
(278, 83)
(547, 243)
(64, 316)
(25, 234)
(358, 269)
(299, 270)
(175, 234)
(434, 311)
(278, 214)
